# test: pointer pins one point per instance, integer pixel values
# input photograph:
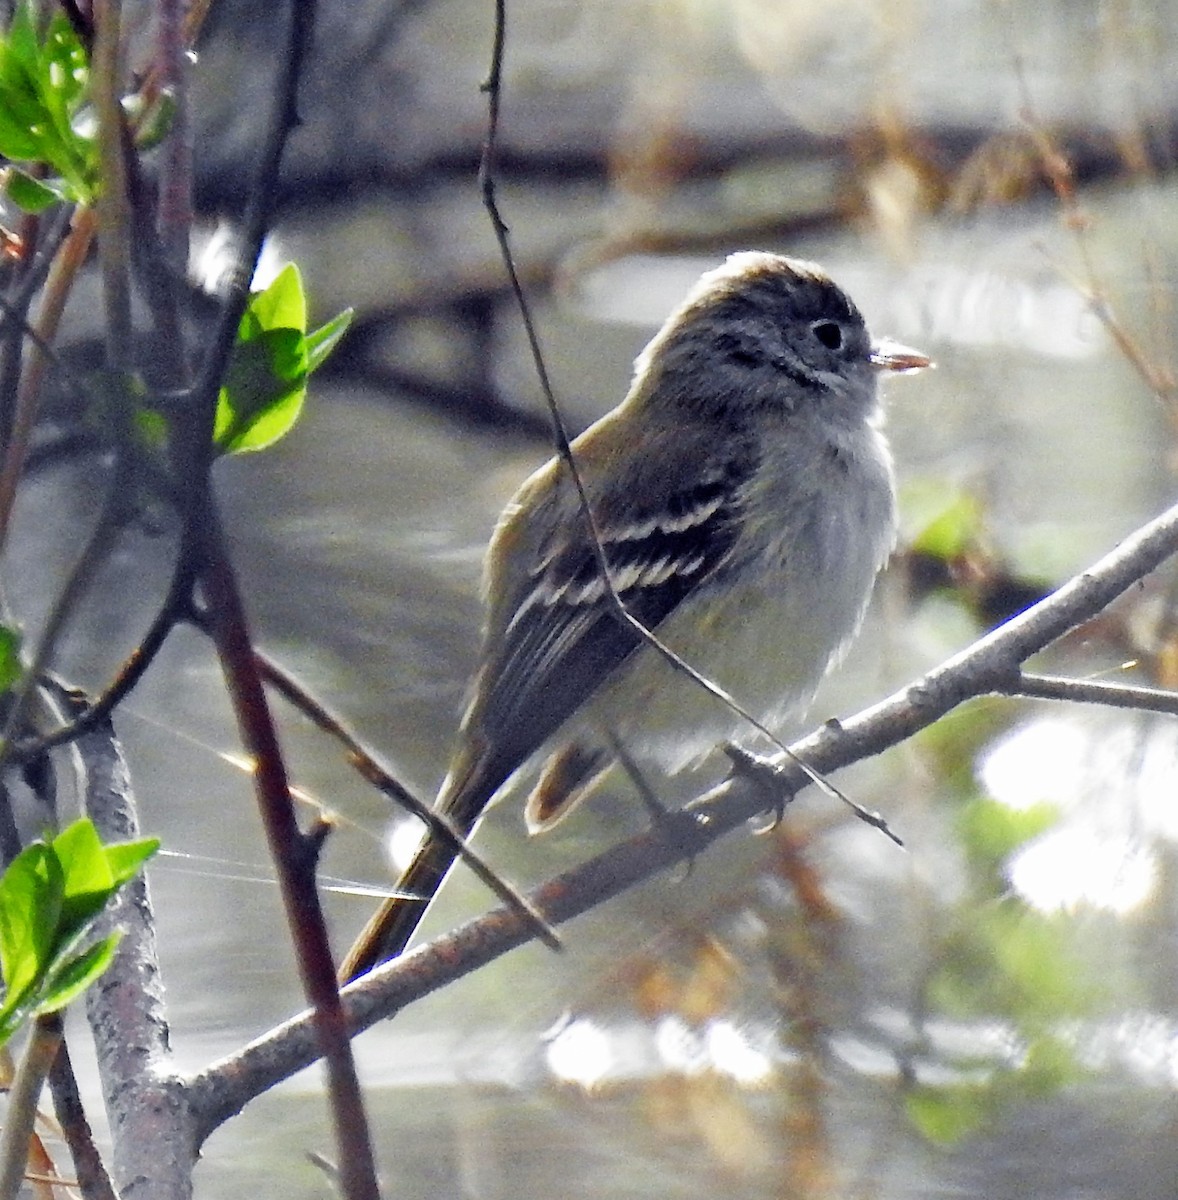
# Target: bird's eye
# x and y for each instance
(829, 333)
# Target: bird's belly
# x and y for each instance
(767, 646)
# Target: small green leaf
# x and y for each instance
(17, 143)
(92, 872)
(947, 1114)
(323, 340)
(263, 392)
(991, 832)
(282, 304)
(32, 195)
(43, 83)
(940, 519)
(125, 858)
(88, 883)
(49, 896)
(151, 427)
(151, 121)
(265, 386)
(10, 664)
(954, 531)
(31, 892)
(68, 981)
(1049, 1065)
(65, 71)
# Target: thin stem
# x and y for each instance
(174, 221)
(21, 1113)
(172, 611)
(375, 772)
(114, 210)
(93, 554)
(66, 266)
(92, 1176)
(295, 857)
(1093, 691)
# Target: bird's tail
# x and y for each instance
(392, 925)
(388, 931)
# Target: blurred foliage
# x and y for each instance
(44, 84)
(10, 668)
(949, 552)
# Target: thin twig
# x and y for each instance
(1158, 378)
(492, 87)
(173, 610)
(295, 855)
(21, 1112)
(65, 267)
(114, 210)
(175, 174)
(375, 772)
(93, 554)
(294, 852)
(1093, 691)
(92, 1176)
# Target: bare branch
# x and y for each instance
(990, 665)
(125, 1007)
(1094, 691)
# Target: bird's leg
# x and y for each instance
(761, 773)
(653, 805)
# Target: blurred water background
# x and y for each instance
(990, 1012)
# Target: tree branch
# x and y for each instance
(1094, 691)
(992, 664)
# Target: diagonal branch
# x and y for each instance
(991, 664)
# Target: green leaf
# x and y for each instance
(263, 392)
(940, 519)
(323, 341)
(22, 37)
(947, 1114)
(32, 195)
(43, 85)
(265, 386)
(49, 896)
(955, 529)
(88, 882)
(65, 71)
(93, 872)
(283, 304)
(151, 428)
(991, 832)
(125, 858)
(151, 121)
(31, 892)
(10, 664)
(17, 143)
(68, 981)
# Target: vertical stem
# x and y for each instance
(39, 1052)
(295, 855)
(175, 203)
(114, 215)
(66, 265)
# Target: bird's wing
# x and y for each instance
(560, 637)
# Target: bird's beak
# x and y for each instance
(887, 355)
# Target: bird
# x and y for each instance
(743, 497)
